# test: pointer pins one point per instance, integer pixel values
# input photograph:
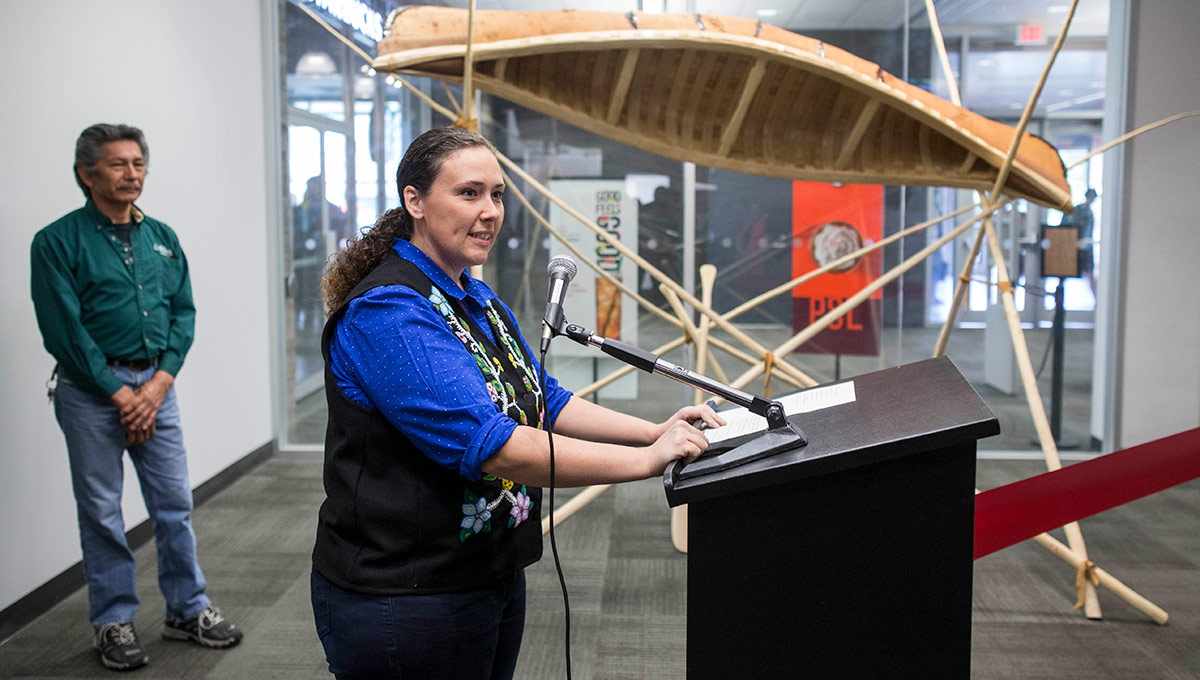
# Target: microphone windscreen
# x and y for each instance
(562, 264)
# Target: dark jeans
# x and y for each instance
(474, 635)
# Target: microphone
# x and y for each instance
(560, 270)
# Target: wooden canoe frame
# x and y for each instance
(770, 362)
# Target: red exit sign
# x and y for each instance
(1030, 34)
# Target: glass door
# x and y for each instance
(321, 221)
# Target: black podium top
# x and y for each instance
(897, 412)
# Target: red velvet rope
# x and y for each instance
(1017, 512)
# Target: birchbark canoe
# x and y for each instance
(725, 92)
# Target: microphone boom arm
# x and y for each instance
(782, 433)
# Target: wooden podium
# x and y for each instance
(850, 557)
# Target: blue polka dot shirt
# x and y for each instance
(392, 351)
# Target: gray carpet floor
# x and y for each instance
(627, 588)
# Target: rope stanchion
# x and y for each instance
(1020, 511)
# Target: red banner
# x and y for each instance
(829, 221)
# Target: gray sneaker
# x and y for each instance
(207, 629)
(119, 647)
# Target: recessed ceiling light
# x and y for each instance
(767, 12)
(1058, 9)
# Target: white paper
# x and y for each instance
(741, 421)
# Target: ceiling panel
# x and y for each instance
(876, 15)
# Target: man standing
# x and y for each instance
(114, 304)
(1085, 219)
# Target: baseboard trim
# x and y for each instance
(20, 613)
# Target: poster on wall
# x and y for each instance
(828, 222)
(591, 300)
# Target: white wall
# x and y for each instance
(191, 75)
(1158, 324)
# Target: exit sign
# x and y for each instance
(1030, 34)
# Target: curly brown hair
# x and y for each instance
(419, 169)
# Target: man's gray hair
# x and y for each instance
(89, 148)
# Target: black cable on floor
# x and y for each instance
(562, 581)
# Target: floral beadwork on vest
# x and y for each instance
(477, 510)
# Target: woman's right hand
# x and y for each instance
(681, 440)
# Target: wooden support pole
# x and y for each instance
(336, 33)
(466, 118)
(960, 291)
(1006, 167)
(1107, 580)
(578, 501)
(689, 328)
(692, 332)
(719, 373)
(679, 514)
(708, 276)
(1036, 408)
(679, 527)
(450, 95)
(1130, 135)
(938, 40)
(422, 96)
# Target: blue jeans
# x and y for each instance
(95, 446)
(453, 636)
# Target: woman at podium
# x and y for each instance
(433, 455)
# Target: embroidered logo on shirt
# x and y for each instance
(163, 250)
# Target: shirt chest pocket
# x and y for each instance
(158, 271)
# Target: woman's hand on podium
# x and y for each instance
(680, 437)
(701, 417)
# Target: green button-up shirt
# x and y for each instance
(98, 299)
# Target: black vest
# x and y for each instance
(395, 522)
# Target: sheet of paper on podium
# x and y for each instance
(740, 421)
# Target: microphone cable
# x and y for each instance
(562, 581)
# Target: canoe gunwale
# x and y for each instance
(409, 61)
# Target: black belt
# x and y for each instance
(134, 364)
